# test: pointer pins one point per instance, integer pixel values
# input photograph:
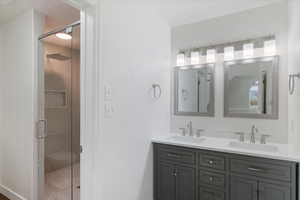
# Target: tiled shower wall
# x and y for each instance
(62, 109)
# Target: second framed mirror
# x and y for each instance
(251, 88)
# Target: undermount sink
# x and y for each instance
(255, 147)
(188, 139)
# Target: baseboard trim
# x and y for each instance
(10, 194)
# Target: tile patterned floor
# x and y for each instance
(58, 184)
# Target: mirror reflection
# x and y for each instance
(251, 88)
(194, 89)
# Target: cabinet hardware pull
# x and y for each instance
(211, 162)
(173, 155)
(175, 172)
(256, 169)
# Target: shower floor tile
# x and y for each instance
(58, 184)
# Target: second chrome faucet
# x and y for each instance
(190, 128)
(254, 132)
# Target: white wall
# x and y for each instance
(18, 99)
(135, 53)
(294, 67)
(250, 24)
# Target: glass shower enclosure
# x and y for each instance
(59, 114)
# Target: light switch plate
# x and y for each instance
(107, 93)
(108, 109)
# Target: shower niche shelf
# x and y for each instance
(55, 99)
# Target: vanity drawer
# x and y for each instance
(212, 179)
(210, 194)
(212, 161)
(258, 168)
(177, 155)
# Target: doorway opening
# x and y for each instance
(59, 113)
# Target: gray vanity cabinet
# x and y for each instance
(206, 193)
(185, 183)
(176, 182)
(166, 183)
(269, 191)
(190, 174)
(175, 175)
(249, 189)
(262, 179)
(243, 188)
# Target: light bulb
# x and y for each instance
(180, 59)
(228, 53)
(270, 48)
(64, 36)
(248, 50)
(195, 57)
(211, 56)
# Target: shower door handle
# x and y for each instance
(42, 129)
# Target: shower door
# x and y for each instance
(59, 110)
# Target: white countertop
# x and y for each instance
(285, 151)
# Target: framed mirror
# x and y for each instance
(251, 88)
(194, 90)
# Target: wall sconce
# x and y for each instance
(180, 59)
(248, 51)
(195, 57)
(270, 48)
(228, 53)
(211, 56)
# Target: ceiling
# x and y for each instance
(176, 12)
(55, 9)
(179, 12)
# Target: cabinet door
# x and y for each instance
(166, 182)
(210, 194)
(269, 191)
(243, 189)
(185, 183)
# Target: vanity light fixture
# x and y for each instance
(270, 48)
(195, 57)
(248, 50)
(184, 68)
(228, 53)
(211, 56)
(180, 59)
(197, 66)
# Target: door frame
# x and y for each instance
(89, 97)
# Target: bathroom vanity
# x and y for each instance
(191, 172)
(216, 86)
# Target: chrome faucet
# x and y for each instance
(254, 130)
(190, 128)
